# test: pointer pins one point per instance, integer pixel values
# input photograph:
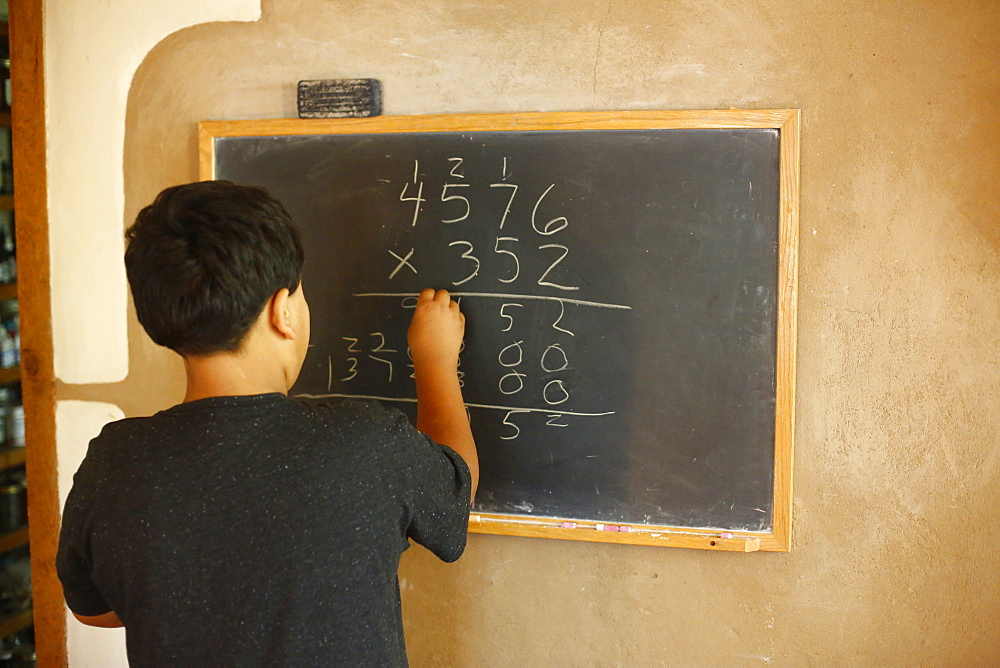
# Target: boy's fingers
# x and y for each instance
(441, 296)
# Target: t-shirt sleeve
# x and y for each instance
(440, 502)
(73, 564)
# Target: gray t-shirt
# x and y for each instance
(258, 530)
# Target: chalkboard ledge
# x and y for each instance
(725, 541)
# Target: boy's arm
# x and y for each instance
(435, 338)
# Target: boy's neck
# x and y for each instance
(230, 374)
(256, 368)
(269, 357)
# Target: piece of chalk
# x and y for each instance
(599, 527)
(625, 529)
(568, 525)
(726, 535)
(610, 527)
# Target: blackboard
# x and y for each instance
(629, 287)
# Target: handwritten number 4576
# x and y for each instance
(451, 192)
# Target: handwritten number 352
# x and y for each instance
(470, 249)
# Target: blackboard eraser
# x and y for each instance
(340, 98)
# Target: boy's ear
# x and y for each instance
(279, 314)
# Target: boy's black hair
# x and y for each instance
(204, 258)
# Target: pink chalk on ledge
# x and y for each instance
(568, 525)
(726, 535)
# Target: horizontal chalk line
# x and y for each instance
(497, 295)
(409, 400)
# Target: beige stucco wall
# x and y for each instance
(898, 434)
(91, 52)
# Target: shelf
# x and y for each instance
(15, 622)
(12, 539)
(10, 375)
(11, 457)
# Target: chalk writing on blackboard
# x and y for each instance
(628, 290)
(518, 362)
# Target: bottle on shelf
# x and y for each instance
(11, 416)
(10, 333)
(8, 249)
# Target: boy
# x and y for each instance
(242, 527)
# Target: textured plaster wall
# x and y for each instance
(898, 434)
(78, 422)
(92, 50)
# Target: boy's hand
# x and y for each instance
(436, 331)
(435, 338)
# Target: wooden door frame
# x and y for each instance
(34, 293)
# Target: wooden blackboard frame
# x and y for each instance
(786, 121)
